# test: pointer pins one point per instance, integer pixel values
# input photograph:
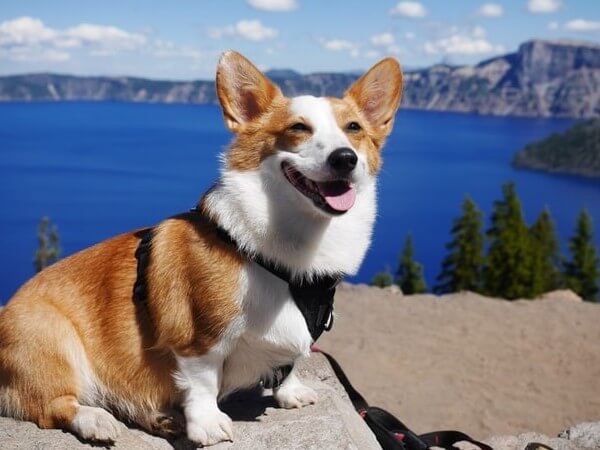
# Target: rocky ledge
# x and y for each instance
(330, 424)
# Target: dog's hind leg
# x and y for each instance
(42, 373)
(87, 422)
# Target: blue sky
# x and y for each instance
(181, 39)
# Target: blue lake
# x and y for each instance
(99, 169)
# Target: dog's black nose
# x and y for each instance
(343, 160)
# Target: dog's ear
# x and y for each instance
(377, 94)
(244, 92)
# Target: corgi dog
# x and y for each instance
(297, 188)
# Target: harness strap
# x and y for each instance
(142, 255)
(313, 297)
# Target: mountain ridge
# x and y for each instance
(559, 78)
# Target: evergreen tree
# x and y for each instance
(48, 250)
(410, 273)
(545, 256)
(382, 279)
(461, 269)
(582, 272)
(508, 264)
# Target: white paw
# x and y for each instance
(95, 424)
(210, 428)
(295, 396)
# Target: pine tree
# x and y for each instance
(545, 256)
(582, 272)
(508, 264)
(382, 279)
(410, 273)
(461, 269)
(48, 251)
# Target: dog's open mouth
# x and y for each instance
(334, 197)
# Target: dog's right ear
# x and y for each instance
(245, 93)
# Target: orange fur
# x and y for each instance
(377, 95)
(367, 139)
(81, 311)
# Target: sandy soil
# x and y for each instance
(466, 362)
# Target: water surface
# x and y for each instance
(99, 169)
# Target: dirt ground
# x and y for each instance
(470, 363)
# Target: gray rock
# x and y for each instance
(332, 423)
(585, 434)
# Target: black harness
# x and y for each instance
(313, 297)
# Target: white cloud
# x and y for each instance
(490, 10)
(274, 5)
(382, 40)
(252, 30)
(413, 10)
(463, 43)
(553, 26)
(410, 35)
(543, 6)
(106, 37)
(582, 25)
(29, 39)
(338, 45)
(25, 30)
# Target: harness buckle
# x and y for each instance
(329, 323)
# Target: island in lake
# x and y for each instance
(575, 152)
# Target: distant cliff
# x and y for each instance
(543, 78)
(576, 152)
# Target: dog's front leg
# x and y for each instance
(293, 393)
(199, 377)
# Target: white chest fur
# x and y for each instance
(271, 331)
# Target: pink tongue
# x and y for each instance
(339, 195)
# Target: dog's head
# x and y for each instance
(325, 149)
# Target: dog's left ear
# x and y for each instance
(244, 92)
(377, 94)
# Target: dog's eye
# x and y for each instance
(299, 127)
(353, 127)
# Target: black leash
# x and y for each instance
(389, 431)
